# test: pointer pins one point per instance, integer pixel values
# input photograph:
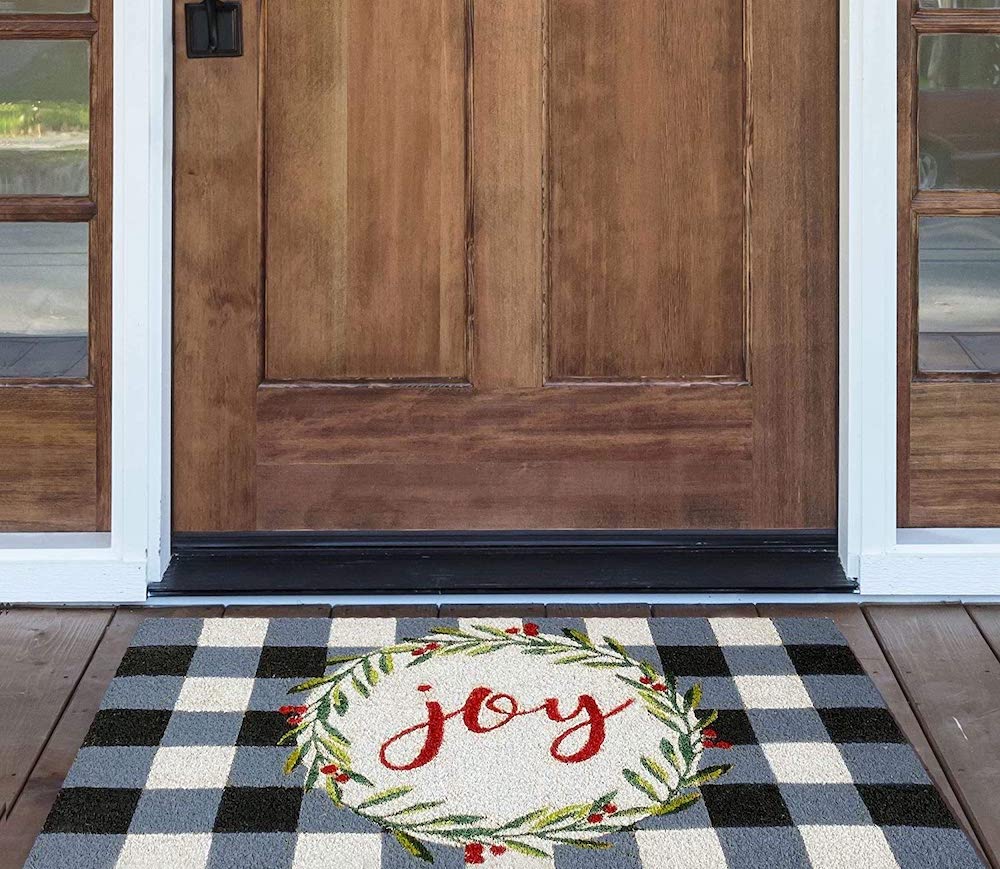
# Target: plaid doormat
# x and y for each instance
(567, 743)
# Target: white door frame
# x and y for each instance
(117, 567)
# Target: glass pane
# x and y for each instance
(959, 111)
(41, 7)
(959, 289)
(960, 4)
(43, 300)
(44, 117)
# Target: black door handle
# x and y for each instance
(214, 28)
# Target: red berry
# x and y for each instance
(301, 710)
(595, 818)
(329, 769)
(708, 743)
(417, 652)
(295, 720)
(513, 630)
(725, 746)
(343, 778)
(531, 629)
(659, 686)
(432, 647)
(474, 853)
(646, 680)
(287, 710)
(610, 808)
(497, 850)
(423, 687)
(708, 733)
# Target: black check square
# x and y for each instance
(259, 810)
(824, 661)
(291, 662)
(861, 725)
(156, 661)
(746, 805)
(906, 806)
(693, 661)
(96, 811)
(733, 726)
(261, 728)
(128, 727)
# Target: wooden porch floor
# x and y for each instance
(938, 667)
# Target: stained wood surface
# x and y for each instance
(48, 459)
(217, 234)
(952, 680)
(55, 439)
(481, 191)
(44, 653)
(954, 455)
(646, 257)
(937, 664)
(366, 190)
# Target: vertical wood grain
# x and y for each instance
(507, 185)
(645, 108)
(217, 277)
(794, 262)
(366, 111)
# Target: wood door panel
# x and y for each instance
(366, 190)
(646, 145)
(954, 469)
(48, 459)
(388, 293)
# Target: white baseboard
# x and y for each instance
(944, 574)
(72, 578)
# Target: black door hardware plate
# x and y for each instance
(214, 29)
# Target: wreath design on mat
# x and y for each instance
(652, 786)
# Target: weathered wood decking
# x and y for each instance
(938, 667)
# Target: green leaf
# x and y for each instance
(709, 774)
(333, 792)
(360, 687)
(685, 748)
(605, 665)
(414, 846)
(484, 649)
(601, 802)
(693, 697)
(415, 808)
(451, 632)
(334, 733)
(450, 821)
(587, 844)
(293, 759)
(648, 671)
(288, 737)
(667, 750)
(572, 659)
(523, 848)
(656, 770)
(359, 778)
(341, 659)
(385, 796)
(662, 714)
(616, 646)
(340, 702)
(313, 775)
(385, 663)
(578, 637)
(489, 629)
(309, 684)
(524, 819)
(550, 818)
(708, 719)
(675, 805)
(371, 674)
(641, 784)
(336, 751)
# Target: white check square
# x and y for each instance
(362, 633)
(186, 767)
(745, 632)
(628, 632)
(323, 850)
(234, 633)
(836, 847)
(680, 849)
(773, 692)
(214, 694)
(805, 763)
(156, 850)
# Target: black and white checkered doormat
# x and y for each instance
(567, 743)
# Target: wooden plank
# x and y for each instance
(492, 611)
(385, 611)
(507, 290)
(794, 257)
(640, 287)
(987, 618)
(952, 680)
(598, 611)
(704, 611)
(279, 611)
(48, 458)
(367, 269)
(44, 653)
(217, 257)
(22, 825)
(851, 622)
(954, 466)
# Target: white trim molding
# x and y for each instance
(117, 567)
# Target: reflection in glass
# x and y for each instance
(960, 4)
(43, 300)
(959, 287)
(959, 111)
(41, 7)
(44, 117)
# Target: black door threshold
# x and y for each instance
(493, 563)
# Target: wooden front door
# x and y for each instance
(498, 264)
